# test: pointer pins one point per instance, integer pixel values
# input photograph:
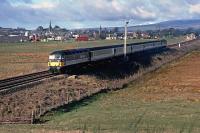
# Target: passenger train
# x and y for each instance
(58, 60)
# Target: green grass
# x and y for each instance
(38, 47)
(113, 113)
(175, 40)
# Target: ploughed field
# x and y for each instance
(179, 81)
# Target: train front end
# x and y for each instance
(56, 62)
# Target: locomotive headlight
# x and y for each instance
(61, 63)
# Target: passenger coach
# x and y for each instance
(58, 60)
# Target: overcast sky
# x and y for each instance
(93, 13)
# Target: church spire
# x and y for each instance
(100, 30)
(50, 27)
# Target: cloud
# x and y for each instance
(193, 1)
(22, 14)
(106, 10)
(195, 9)
(29, 4)
(77, 13)
(143, 14)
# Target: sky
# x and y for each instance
(73, 14)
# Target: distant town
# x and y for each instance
(56, 33)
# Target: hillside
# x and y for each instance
(180, 24)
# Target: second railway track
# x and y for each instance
(10, 84)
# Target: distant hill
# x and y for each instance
(182, 24)
(178, 24)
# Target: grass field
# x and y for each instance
(166, 101)
(175, 40)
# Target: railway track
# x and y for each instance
(181, 44)
(15, 83)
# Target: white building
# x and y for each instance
(191, 36)
(26, 34)
(58, 38)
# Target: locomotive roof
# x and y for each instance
(70, 51)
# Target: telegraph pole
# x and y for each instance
(125, 39)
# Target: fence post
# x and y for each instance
(67, 97)
(79, 94)
(40, 109)
(63, 98)
(32, 117)
(89, 93)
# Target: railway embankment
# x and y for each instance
(26, 106)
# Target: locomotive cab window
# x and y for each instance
(56, 57)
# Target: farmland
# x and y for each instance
(167, 100)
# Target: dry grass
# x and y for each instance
(13, 64)
(180, 80)
(50, 93)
